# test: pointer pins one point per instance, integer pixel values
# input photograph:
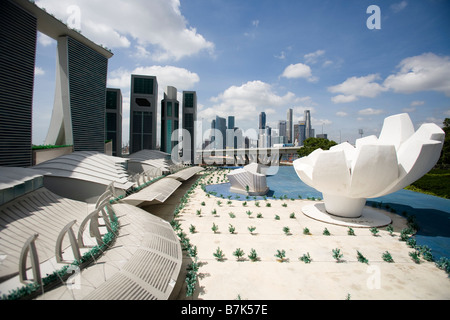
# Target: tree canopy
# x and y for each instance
(311, 144)
(444, 160)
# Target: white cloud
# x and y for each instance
(343, 98)
(245, 102)
(397, 7)
(417, 103)
(341, 114)
(370, 112)
(44, 40)
(38, 71)
(312, 57)
(158, 25)
(427, 72)
(299, 70)
(355, 87)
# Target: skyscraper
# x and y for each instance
(189, 120)
(170, 115)
(78, 116)
(231, 122)
(282, 128)
(143, 112)
(308, 130)
(289, 126)
(221, 126)
(113, 120)
(17, 59)
(262, 121)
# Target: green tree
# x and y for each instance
(444, 160)
(311, 144)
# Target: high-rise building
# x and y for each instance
(170, 117)
(221, 126)
(78, 116)
(289, 126)
(189, 121)
(17, 59)
(308, 130)
(231, 122)
(143, 112)
(282, 128)
(113, 120)
(262, 120)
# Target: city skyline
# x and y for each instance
(271, 57)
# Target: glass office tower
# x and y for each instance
(143, 112)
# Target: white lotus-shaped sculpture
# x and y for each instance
(348, 175)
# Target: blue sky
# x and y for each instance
(244, 57)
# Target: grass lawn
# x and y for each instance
(436, 182)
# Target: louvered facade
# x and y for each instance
(17, 58)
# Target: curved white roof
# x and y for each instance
(89, 166)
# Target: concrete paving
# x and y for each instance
(293, 279)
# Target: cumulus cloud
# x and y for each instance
(426, 72)
(355, 87)
(161, 28)
(299, 70)
(245, 102)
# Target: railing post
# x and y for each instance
(73, 242)
(30, 247)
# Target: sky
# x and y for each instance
(350, 65)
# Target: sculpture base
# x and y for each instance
(369, 218)
(344, 207)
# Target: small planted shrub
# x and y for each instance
(284, 205)
(259, 215)
(244, 203)
(292, 215)
(350, 232)
(238, 253)
(361, 258)
(251, 229)
(444, 264)
(425, 251)
(390, 229)
(286, 231)
(214, 212)
(203, 203)
(374, 231)
(326, 232)
(232, 229)
(306, 258)
(386, 256)
(415, 256)
(306, 231)
(337, 255)
(281, 255)
(214, 228)
(411, 242)
(199, 212)
(229, 202)
(277, 217)
(253, 256)
(219, 202)
(257, 203)
(219, 254)
(232, 215)
(268, 204)
(192, 229)
(249, 213)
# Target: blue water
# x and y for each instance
(431, 213)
